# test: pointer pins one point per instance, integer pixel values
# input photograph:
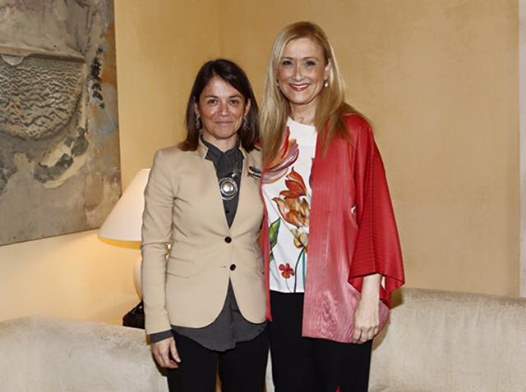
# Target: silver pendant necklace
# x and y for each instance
(228, 185)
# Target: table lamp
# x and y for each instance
(123, 225)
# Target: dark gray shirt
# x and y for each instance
(230, 326)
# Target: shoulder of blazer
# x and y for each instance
(254, 159)
(173, 154)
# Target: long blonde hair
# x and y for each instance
(275, 109)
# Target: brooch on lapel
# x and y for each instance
(254, 172)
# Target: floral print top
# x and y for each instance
(287, 194)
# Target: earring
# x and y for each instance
(326, 84)
(197, 123)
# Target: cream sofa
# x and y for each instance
(452, 342)
(437, 341)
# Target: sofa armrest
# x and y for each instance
(448, 341)
(60, 355)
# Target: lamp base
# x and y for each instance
(137, 277)
(135, 317)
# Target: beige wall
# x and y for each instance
(522, 121)
(160, 46)
(439, 79)
(158, 51)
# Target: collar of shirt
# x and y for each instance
(224, 162)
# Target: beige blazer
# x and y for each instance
(189, 252)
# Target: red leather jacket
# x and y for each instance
(352, 234)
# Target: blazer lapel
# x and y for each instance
(242, 193)
(250, 202)
(217, 209)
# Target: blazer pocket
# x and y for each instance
(184, 269)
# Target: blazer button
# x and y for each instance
(228, 240)
(232, 267)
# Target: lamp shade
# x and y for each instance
(125, 220)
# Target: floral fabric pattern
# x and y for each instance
(286, 270)
(287, 197)
(294, 208)
(280, 166)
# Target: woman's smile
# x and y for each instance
(299, 86)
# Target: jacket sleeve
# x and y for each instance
(156, 236)
(377, 248)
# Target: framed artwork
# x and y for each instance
(59, 140)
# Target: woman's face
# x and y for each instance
(221, 109)
(302, 71)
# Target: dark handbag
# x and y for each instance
(135, 317)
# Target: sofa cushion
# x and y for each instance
(57, 356)
(445, 341)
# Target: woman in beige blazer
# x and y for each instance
(203, 275)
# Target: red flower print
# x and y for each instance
(296, 186)
(291, 202)
(279, 166)
(294, 211)
(286, 270)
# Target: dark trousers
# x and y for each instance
(241, 369)
(312, 365)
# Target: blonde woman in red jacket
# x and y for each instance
(329, 238)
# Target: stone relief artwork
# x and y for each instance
(59, 142)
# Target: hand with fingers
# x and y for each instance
(165, 353)
(367, 315)
(366, 321)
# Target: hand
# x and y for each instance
(165, 353)
(366, 317)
